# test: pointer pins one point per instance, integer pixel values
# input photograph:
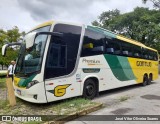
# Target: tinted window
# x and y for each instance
(112, 46)
(137, 52)
(62, 53)
(93, 43)
(155, 56)
(57, 56)
(145, 53)
(126, 49)
(149, 54)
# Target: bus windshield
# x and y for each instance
(30, 59)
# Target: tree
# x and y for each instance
(3, 37)
(106, 18)
(156, 3)
(11, 55)
(12, 35)
(142, 25)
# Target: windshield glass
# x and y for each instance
(30, 59)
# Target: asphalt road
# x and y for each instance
(131, 100)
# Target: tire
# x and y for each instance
(89, 89)
(145, 80)
(149, 80)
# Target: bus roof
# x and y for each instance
(120, 37)
(42, 25)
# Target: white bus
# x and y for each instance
(59, 60)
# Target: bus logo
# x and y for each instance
(91, 62)
(59, 90)
(143, 63)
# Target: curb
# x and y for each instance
(76, 115)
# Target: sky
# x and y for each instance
(26, 14)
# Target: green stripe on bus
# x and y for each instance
(126, 67)
(120, 67)
(24, 82)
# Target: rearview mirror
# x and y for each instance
(4, 47)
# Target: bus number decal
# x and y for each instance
(60, 90)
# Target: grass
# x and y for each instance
(3, 103)
(2, 82)
(72, 105)
(64, 108)
(123, 98)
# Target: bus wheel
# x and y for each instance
(149, 79)
(89, 90)
(145, 80)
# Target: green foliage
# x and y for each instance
(9, 36)
(3, 104)
(3, 37)
(13, 34)
(2, 82)
(142, 25)
(10, 55)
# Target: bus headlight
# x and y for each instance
(30, 84)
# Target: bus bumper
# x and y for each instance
(32, 94)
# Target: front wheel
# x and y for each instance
(89, 89)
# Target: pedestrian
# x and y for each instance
(11, 69)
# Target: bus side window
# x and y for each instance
(57, 56)
(137, 52)
(93, 43)
(126, 49)
(150, 55)
(112, 47)
(145, 53)
(155, 56)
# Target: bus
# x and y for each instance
(60, 60)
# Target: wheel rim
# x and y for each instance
(89, 90)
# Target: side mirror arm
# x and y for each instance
(4, 48)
